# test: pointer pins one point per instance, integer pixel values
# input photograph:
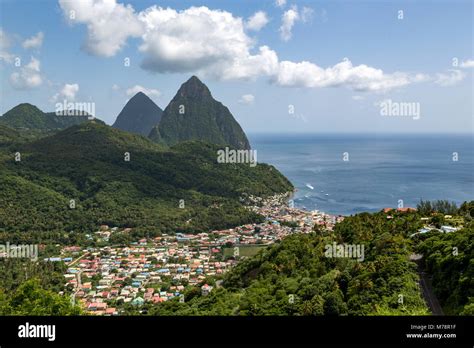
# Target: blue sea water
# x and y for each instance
(381, 170)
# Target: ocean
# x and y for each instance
(347, 174)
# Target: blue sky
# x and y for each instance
(407, 60)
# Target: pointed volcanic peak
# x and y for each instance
(194, 114)
(194, 88)
(139, 115)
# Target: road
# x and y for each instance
(72, 263)
(427, 289)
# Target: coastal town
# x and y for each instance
(159, 269)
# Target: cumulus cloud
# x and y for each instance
(257, 21)
(67, 92)
(214, 43)
(451, 78)
(208, 42)
(34, 42)
(467, 63)
(109, 24)
(150, 92)
(288, 20)
(28, 76)
(247, 99)
(5, 43)
(359, 78)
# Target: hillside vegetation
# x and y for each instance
(87, 163)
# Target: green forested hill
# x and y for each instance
(28, 117)
(87, 163)
(7, 135)
(449, 258)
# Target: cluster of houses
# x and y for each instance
(159, 269)
(277, 210)
(154, 273)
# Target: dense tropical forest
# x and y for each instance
(32, 288)
(80, 178)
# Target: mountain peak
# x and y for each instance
(194, 88)
(24, 106)
(139, 115)
(193, 114)
(140, 95)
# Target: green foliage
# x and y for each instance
(16, 271)
(28, 117)
(449, 257)
(86, 163)
(31, 299)
(439, 206)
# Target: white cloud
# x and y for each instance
(280, 3)
(34, 42)
(288, 20)
(109, 24)
(358, 97)
(150, 92)
(28, 76)
(257, 21)
(214, 44)
(450, 79)
(68, 92)
(115, 87)
(5, 43)
(467, 63)
(248, 66)
(207, 42)
(247, 99)
(358, 78)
